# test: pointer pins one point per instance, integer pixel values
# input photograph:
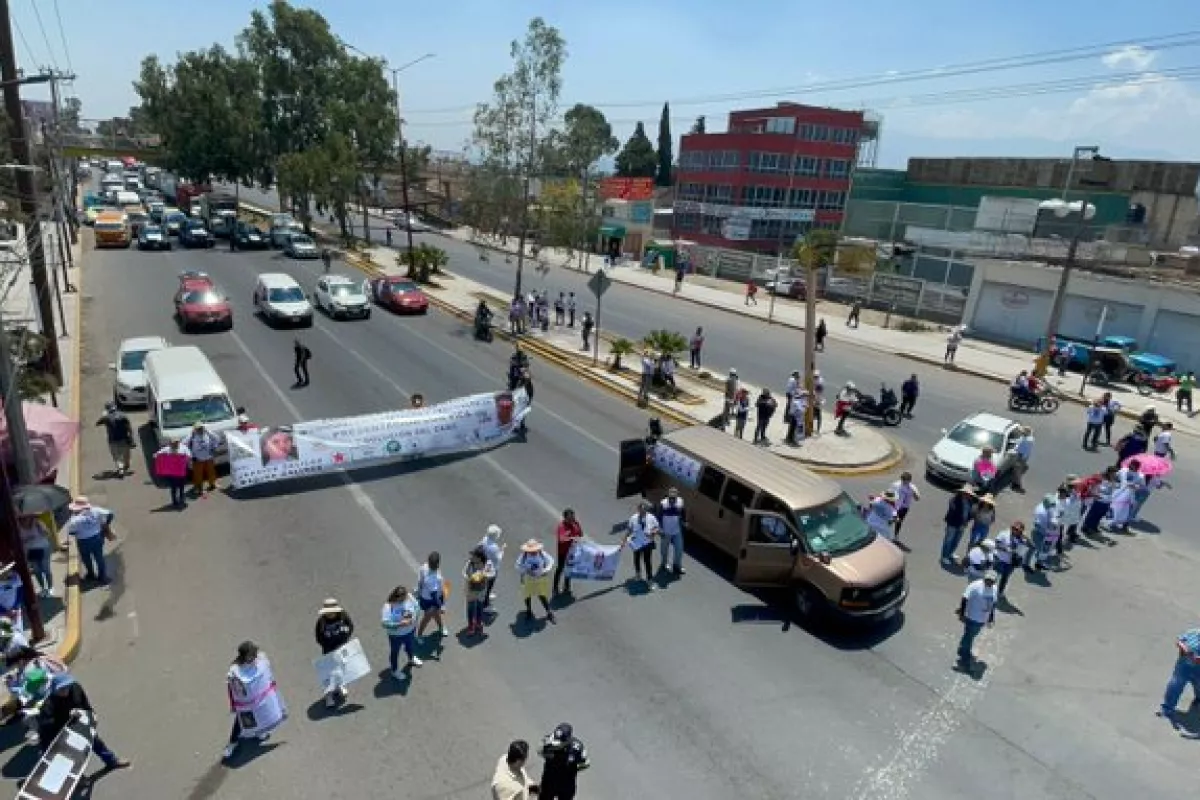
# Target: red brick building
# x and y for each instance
(776, 173)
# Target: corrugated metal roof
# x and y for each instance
(788, 480)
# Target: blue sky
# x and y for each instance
(628, 57)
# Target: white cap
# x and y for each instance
(732, 371)
(494, 531)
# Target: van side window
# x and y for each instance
(767, 502)
(737, 496)
(711, 481)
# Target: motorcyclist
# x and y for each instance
(517, 365)
(1020, 388)
(483, 320)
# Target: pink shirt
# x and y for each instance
(985, 467)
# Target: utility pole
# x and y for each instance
(16, 551)
(58, 167)
(19, 140)
(528, 185)
(14, 414)
(403, 169)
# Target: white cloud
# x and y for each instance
(1148, 113)
(1135, 56)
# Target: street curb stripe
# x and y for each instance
(72, 642)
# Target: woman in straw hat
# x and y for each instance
(334, 629)
(982, 519)
(535, 567)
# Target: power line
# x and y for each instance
(1043, 58)
(969, 95)
(24, 42)
(62, 35)
(38, 15)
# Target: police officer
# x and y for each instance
(565, 758)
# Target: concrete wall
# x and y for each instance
(1010, 302)
(1158, 177)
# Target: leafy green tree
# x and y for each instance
(512, 129)
(817, 249)
(365, 109)
(619, 348)
(663, 175)
(637, 158)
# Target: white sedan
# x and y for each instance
(129, 384)
(341, 297)
(953, 456)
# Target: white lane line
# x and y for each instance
(360, 497)
(921, 745)
(541, 409)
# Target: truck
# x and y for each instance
(187, 194)
(219, 210)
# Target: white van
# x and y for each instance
(112, 183)
(182, 388)
(279, 299)
(128, 198)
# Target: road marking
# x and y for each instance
(433, 343)
(360, 497)
(921, 745)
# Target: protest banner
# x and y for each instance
(477, 422)
(589, 561)
(346, 664)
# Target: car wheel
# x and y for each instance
(367, 315)
(308, 322)
(805, 602)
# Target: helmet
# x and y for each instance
(849, 384)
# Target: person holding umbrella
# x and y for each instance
(1151, 470)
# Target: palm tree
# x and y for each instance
(423, 261)
(618, 348)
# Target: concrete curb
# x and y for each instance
(72, 643)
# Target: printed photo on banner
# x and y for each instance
(589, 561)
(463, 424)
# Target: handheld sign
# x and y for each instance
(60, 771)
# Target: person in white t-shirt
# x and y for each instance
(976, 610)
(1162, 442)
(907, 493)
(642, 530)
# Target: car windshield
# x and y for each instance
(836, 527)
(400, 287)
(196, 225)
(152, 230)
(132, 360)
(292, 294)
(974, 436)
(344, 290)
(206, 297)
(301, 240)
(209, 409)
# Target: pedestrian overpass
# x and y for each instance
(143, 148)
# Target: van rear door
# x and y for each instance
(768, 553)
(631, 474)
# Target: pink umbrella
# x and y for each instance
(1153, 466)
(51, 435)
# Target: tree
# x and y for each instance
(663, 175)
(512, 129)
(365, 108)
(620, 348)
(423, 261)
(637, 158)
(586, 137)
(560, 213)
(70, 115)
(698, 126)
(817, 249)
(27, 350)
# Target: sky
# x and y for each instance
(1135, 97)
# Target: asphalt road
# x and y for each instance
(697, 691)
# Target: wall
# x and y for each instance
(1010, 302)
(1159, 177)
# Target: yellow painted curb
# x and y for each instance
(72, 643)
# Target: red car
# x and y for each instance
(400, 295)
(199, 305)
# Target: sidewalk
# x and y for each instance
(61, 613)
(977, 358)
(863, 450)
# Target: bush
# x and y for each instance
(619, 348)
(912, 326)
(665, 343)
(423, 261)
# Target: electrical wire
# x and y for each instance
(1043, 58)
(24, 42)
(62, 35)
(38, 15)
(968, 95)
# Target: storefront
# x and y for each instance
(625, 227)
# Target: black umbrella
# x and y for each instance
(40, 498)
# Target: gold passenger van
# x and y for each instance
(786, 527)
(112, 229)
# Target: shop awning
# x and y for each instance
(613, 231)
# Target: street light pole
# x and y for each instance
(402, 150)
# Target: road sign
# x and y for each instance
(599, 283)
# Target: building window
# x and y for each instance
(802, 198)
(820, 133)
(769, 162)
(807, 166)
(732, 159)
(837, 168)
(806, 132)
(781, 125)
(832, 201)
(711, 225)
(718, 193)
(687, 222)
